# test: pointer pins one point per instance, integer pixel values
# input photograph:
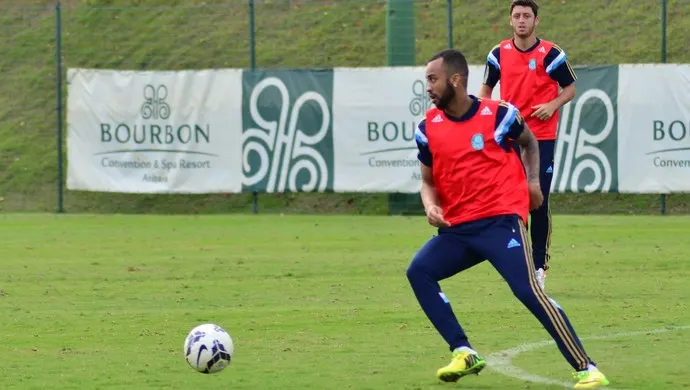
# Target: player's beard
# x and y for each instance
(447, 96)
(526, 33)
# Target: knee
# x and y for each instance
(415, 270)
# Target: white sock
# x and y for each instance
(465, 349)
(592, 367)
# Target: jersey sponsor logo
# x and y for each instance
(532, 64)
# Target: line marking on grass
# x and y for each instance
(501, 361)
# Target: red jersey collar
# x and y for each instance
(536, 44)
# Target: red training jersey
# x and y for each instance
(529, 78)
(477, 172)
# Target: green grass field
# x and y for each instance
(193, 34)
(319, 302)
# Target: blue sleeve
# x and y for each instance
(492, 70)
(424, 154)
(509, 123)
(558, 67)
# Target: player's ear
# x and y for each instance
(455, 80)
(536, 21)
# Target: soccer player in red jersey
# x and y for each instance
(530, 71)
(477, 192)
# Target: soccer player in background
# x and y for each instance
(530, 71)
(477, 192)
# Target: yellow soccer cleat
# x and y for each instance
(462, 363)
(590, 379)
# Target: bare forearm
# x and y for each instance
(567, 94)
(530, 158)
(429, 195)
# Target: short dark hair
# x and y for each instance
(525, 3)
(454, 61)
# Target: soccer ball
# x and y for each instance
(208, 348)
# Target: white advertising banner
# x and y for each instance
(375, 113)
(349, 130)
(654, 128)
(154, 132)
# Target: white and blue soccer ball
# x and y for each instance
(208, 348)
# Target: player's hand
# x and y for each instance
(434, 215)
(543, 111)
(536, 198)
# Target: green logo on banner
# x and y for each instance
(154, 106)
(586, 156)
(420, 102)
(287, 136)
